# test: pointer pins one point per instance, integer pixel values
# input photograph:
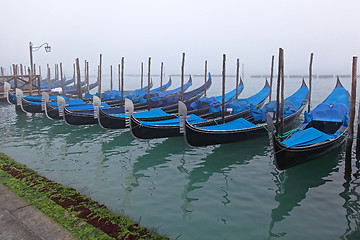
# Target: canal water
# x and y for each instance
(230, 191)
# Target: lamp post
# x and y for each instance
(34, 49)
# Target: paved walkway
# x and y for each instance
(19, 220)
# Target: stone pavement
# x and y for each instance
(19, 220)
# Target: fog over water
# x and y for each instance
(249, 30)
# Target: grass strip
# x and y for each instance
(80, 215)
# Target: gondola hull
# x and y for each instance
(198, 137)
(79, 118)
(287, 157)
(150, 132)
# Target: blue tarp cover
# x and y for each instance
(192, 118)
(72, 102)
(240, 105)
(157, 112)
(291, 105)
(38, 98)
(338, 95)
(329, 113)
(86, 107)
(307, 137)
(239, 123)
(205, 102)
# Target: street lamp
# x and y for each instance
(34, 49)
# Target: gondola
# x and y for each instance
(240, 129)
(145, 129)
(52, 110)
(323, 130)
(87, 117)
(115, 121)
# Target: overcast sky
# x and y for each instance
(252, 31)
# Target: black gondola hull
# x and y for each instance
(198, 137)
(287, 157)
(150, 132)
(74, 118)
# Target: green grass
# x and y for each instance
(37, 190)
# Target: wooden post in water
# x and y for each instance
(278, 93)
(161, 74)
(142, 75)
(88, 76)
(182, 77)
(237, 77)
(21, 69)
(119, 77)
(148, 93)
(111, 78)
(85, 77)
(38, 80)
(74, 74)
(205, 77)
(348, 151)
(78, 78)
(223, 89)
(30, 82)
(15, 77)
(271, 76)
(48, 77)
(310, 80)
(99, 85)
(39, 71)
(122, 80)
(282, 92)
(62, 79)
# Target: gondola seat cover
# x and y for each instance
(157, 112)
(330, 112)
(192, 118)
(307, 137)
(203, 102)
(240, 105)
(237, 124)
(291, 105)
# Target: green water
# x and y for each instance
(230, 191)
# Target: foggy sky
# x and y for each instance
(252, 31)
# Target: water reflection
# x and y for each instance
(294, 183)
(351, 196)
(219, 159)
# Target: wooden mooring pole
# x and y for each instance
(310, 80)
(182, 77)
(119, 77)
(148, 89)
(99, 84)
(62, 79)
(205, 78)
(74, 74)
(122, 80)
(78, 78)
(223, 89)
(348, 151)
(142, 75)
(161, 74)
(282, 92)
(237, 77)
(30, 82)
(277, 116)
(271, 76)
(48, 77)
(15, 76)
(111, 78)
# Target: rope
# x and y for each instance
(215, 121)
